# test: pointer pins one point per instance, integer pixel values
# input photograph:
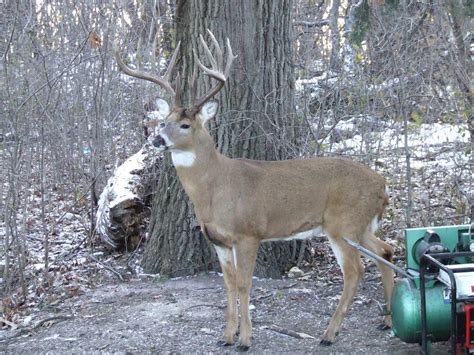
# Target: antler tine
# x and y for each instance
(194, 82)
(213, 73)
(230, 58)
(220, 59)
(163, 82)
(216, 71)
(177, 97)
(208, 53)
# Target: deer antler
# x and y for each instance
(164, 81)
(216, 71)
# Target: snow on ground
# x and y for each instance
(423, 140)
(316, 85)
(426, 137)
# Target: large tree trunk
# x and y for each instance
(256, 121)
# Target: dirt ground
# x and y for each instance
(187, 316)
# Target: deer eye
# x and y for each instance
(184, 126)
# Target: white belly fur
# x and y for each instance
(316, 232)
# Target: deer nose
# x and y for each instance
(159, 142)
(162, 125)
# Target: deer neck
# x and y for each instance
(198, 170)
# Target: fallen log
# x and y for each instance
(124, 204)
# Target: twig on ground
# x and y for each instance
(205, 305)
(7, 322)
(262, 297)
(288, 332)
(107, 267)
(49, 319)
(288, 286)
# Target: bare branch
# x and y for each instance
(319, 23)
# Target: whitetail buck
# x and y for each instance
(240, 203)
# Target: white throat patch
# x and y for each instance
(183, 159)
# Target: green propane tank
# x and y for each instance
(406, 312)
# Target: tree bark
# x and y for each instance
(255, 121)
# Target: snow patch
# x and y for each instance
(423, 140)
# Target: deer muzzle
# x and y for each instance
(159, 142)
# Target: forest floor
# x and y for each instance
(186, 315)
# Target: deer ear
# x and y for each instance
(208, 111)
(163, 107)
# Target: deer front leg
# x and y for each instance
(226, 260)
(246, 256)
(352, 270)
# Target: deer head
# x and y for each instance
(184, 126)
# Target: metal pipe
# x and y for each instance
(424, 326)
(378, 258)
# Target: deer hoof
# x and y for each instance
(383, 326)
(326, 342)
(242, 348)
(224, 343)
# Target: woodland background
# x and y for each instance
(363, 71)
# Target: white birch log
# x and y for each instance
(124, 202)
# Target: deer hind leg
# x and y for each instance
(226, 260)
(352, 270)
(384, 250)
(246, 256)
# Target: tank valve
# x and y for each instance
(429, 244)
